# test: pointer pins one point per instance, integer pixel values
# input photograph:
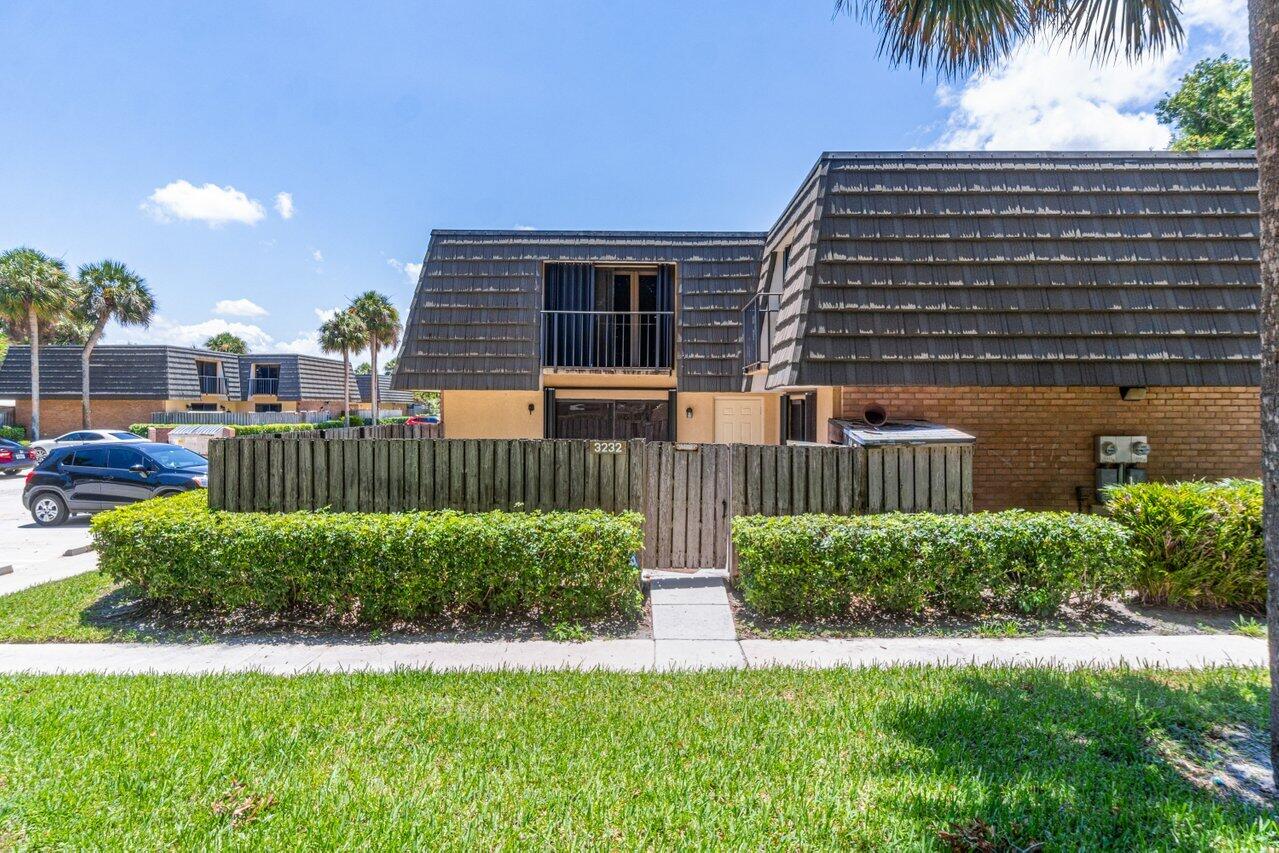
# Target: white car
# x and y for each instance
(40, 449)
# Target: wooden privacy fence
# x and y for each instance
(688, 493)
(792, 480)
(378, 431)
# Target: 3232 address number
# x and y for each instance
(607, 446)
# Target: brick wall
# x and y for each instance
(60, 415)
(1035, 445)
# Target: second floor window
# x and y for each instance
(608, 317)
(266, 379)
(209, 374)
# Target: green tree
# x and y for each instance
(956, 36)
(342, 333)
(363, 367)
(227, 342)
(389, 367)
(109, 290)
(34, 288)
(382, 326)
(1212, 108)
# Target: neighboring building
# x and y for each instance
(1033, 300)
(389, 400)
(129, 382)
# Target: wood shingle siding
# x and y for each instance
(1021, 269)
(476, 314)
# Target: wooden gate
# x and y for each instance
(686, 505)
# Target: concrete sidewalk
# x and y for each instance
(630, 655)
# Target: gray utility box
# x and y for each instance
(894, 434)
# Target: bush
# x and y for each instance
(267, 429)
(1198, 544)
(825, 566)
(13, 433)
(378, 567)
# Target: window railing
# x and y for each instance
(212, 385)
(759, 321)
(264, 385)
(640, 340)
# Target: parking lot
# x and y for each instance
(36, 553)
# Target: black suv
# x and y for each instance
(93, 477)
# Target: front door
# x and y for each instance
(739, 420)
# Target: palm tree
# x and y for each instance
(342, 333)
(227, 342)
(382, 328)
(34, 289)
(957, 36)
(109, 290)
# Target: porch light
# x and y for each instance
(688, 413)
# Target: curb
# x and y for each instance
(75, 552)
(6, 570)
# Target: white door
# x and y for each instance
(739, 420)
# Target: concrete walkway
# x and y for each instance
(692, 629)
(629, 655)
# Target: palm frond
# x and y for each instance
(957, 37)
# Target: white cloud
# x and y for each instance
(209, 203)
(317, 256)
(1047, 97)
(525, 228)
(323, 314)
(284, 205)
(411, 270)
(239, 308)
(165, 331)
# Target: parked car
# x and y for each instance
(89, 478)
(14, 458)
(420, 420)
(42, 447)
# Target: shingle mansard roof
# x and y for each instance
(911, 268)
(160, 372)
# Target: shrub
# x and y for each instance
(823, 566)
(267, 429)
(13, 433)
(558, 566)
(1198, 544)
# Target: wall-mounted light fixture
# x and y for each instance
(688, 413)
(532, 407)
(1133, 394)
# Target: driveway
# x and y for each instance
(36, 552)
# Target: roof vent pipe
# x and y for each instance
(875, 415)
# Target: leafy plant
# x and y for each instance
(1248, 627)
(1199, 544)
(825, 566)
(562, 567)
(13, 433)
(568, 632)
(1212, 109)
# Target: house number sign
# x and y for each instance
(607, 446)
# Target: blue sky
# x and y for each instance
(164, 134)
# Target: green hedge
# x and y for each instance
(13, 433)
(260, 429)
(378, 567)
(1198, 544)
(826, 566)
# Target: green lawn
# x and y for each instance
(772, 759)
(77, 609)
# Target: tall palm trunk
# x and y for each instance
(34, 322)
(86, 419)
(373, 380)
(1264, 35)
(346, 387)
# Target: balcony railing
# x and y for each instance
(639, 340)
(759, 320)
(264, 385)
(213, 385)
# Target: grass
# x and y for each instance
(1249, 627)
(71, 610)
(897, 758)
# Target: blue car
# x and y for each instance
(89, 478)
(14, 458)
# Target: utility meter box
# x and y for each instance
(1122, 450)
